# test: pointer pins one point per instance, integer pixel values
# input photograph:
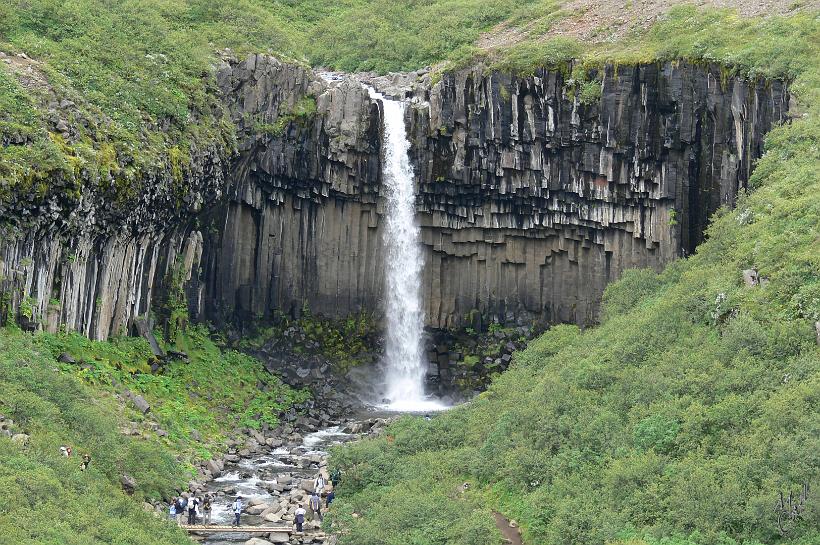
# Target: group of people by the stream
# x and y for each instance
(197, 509)
(193, 507)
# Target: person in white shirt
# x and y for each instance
(319, 485)
(300, 518)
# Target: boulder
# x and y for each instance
(65, 357)
(279, 537)
(20, 438)
(139, 403)
(750, 278)
(214, 468)
(256, 509)
(129, 484)
(272, 517)
(306, 485)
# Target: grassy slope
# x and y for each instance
(684, 413)
(678, 420)
(45, 499)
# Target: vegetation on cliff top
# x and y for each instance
(108, 92)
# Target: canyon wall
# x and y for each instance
(530, 199)
(89, 260)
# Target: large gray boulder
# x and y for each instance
(256, 509)
(214, 468)
(138, 402)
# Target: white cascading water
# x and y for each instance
(404, 361)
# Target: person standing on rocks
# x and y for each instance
(182, 503)
(319, 484)
(300, 518)
(172, 510)
(206, 510)
(330, 497)
(237, 510)
(192, 505)
(316, 506)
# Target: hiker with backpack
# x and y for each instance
(319, 484)
(182, 504)
(237, 510)
(193, 503)
(206, 509)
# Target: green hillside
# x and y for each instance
(678, 421)
(46, 499)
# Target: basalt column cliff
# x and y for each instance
(530, 200)
(531, 197)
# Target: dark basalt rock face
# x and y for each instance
(530, 201)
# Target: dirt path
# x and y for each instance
(510, 534)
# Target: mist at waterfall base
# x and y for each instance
(403, 363)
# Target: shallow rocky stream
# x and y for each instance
(273, 480)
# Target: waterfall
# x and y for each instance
(404, 260)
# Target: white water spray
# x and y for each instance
(403, 266)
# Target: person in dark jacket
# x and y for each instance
(330, 497)
(207, 508)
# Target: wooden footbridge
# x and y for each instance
(227, 529)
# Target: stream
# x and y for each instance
(272, 479)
